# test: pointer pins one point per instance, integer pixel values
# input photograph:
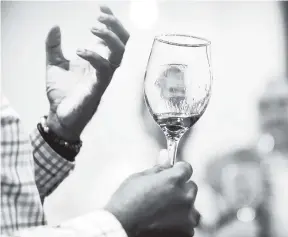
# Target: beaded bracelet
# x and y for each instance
(54, 138)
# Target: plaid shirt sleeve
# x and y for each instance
(21, 209)
(96, 224)
(20, 201)
(50, 168)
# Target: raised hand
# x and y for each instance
(72, 105)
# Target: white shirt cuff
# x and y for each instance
(98, 223)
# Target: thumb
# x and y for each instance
(181, 172)
(54, 54)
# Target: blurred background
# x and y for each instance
(238, 149)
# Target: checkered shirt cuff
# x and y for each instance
(50, 168)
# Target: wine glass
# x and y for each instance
(177, 84)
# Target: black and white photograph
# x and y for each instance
(144, 118)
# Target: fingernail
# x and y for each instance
(98, 25)
(98, 30)
(81, 51)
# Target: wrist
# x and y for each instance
(67, 150)
(54, 124)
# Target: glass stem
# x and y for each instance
(172, 146)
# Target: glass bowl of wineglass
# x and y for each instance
(177, 84)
